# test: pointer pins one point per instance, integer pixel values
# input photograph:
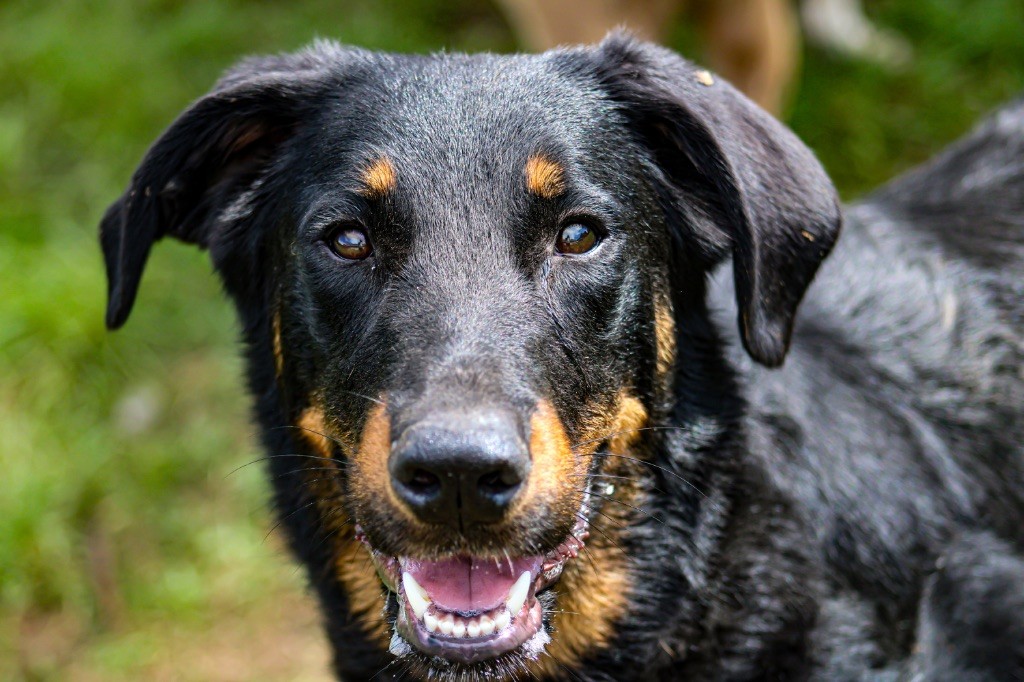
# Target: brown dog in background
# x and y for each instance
(753, 43)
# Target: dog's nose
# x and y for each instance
(460, 469)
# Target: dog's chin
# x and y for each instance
(473, 613)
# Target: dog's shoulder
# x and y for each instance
(895, 420)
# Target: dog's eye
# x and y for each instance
(350, 242)
(576, 239)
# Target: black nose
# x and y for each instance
(460, 469)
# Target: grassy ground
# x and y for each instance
(129, 543)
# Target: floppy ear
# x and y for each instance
(213, 151)
(732, 176)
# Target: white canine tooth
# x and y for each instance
(502, 621)
(417, 596)
(486, 626)
(431, 622)
(517, 595)
(459, 629)
(473, 628)
(446, 624)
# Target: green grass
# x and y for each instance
(123, 531)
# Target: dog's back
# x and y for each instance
(896, 421)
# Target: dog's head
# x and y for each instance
(470, 283)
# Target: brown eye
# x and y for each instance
(350, 243)
(576, 239)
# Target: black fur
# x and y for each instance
(857, 514)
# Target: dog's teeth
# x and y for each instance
(431, 622)
(416, 595)
(459, 629)
(502, 621)
(517, 595)
(446, 624)
(486, 626)
(473, 628)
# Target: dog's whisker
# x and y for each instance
(303, 470)
(288, 516)
(612, 434)
(653, 465)
(590, 556)
(392, 662)
(612, 519)
(624, 504)
(334, 440)
(634, 479)
(607, 536)
(332, 533)
(360, 395)
(269, 457)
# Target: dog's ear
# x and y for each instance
(730, 176)
(213, 151)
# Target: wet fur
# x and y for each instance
(856, 514)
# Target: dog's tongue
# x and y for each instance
(468, 584)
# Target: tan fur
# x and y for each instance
(665, 336)
(593, 592)
(362, 586)
(314, 431)
(275, 330)
(544, 177)
(371, 460)
(555, 469)
(379, 178)
(352, 563)
(630, 418)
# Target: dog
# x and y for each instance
(754, 44)
(522, 423)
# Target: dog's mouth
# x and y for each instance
(467, 610)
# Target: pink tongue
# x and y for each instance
(467, 584)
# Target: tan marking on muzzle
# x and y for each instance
(314, 430)
(544, 177)
(379, 178)
(630, 420)
(553, 463)
(371, 458)
(352, 565)
(593, 592)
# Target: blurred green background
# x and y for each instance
(130, 546)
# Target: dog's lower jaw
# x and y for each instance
(504, 628)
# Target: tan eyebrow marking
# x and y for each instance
(379, 177)
(544, 177)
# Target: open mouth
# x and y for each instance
(466, 609)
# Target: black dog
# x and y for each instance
(480, 288)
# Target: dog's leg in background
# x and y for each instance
(543, 24)
(971, 624)
(755, 44)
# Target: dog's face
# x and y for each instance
(464, 282)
